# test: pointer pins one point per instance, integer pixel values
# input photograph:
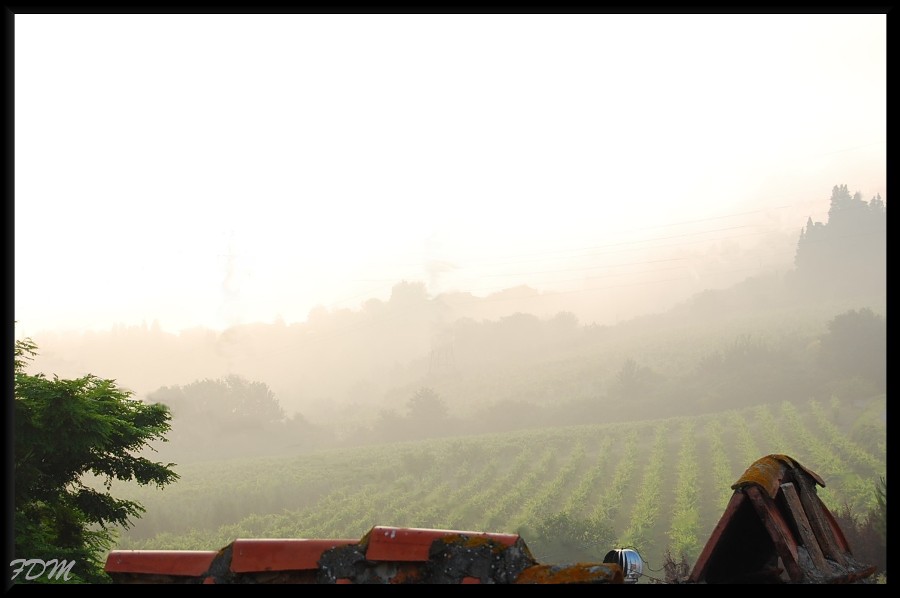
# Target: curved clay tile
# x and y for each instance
(770, 471)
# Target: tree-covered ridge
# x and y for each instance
(345, 369)
(230, 417)
(843, 358)
(846, 256)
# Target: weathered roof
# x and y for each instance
(769, 471)
(385, 543)
(280, 554)
(169, 562)
(776, 529)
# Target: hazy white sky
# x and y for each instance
(221, 169)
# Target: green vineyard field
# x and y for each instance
(656, 486)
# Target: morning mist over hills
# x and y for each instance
(518, 357)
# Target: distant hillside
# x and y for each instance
(348, 370)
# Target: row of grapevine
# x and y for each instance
(590, 480)
(684, 521)
(536, 505)
(647, 504)
(841, 441)
(720, 470)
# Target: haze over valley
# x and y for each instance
(342, 212)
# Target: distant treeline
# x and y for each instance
(233, 416)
